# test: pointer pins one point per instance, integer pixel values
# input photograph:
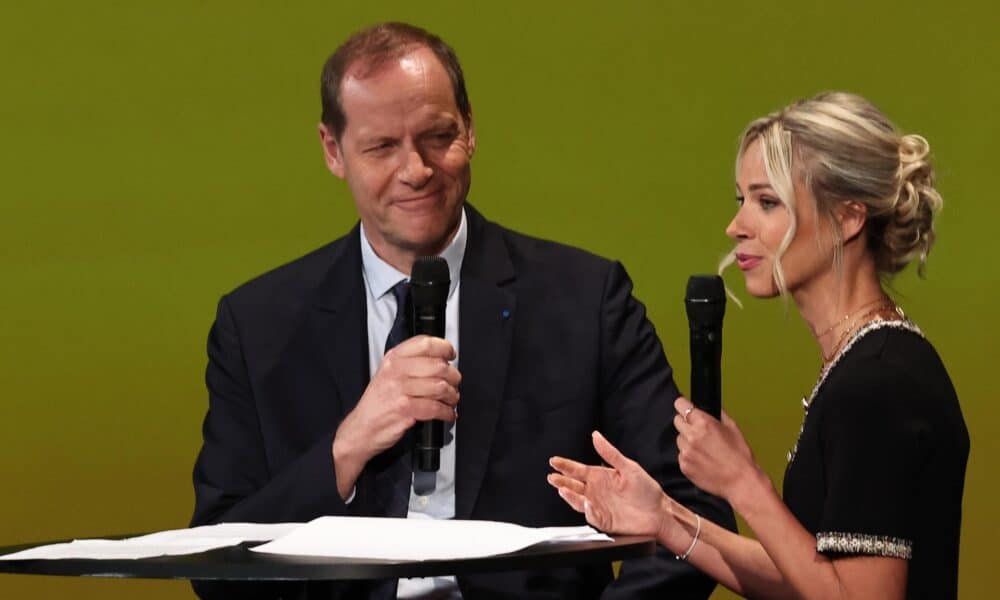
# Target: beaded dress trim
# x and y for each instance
(875, 325)
(859, 543)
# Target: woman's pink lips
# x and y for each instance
(746, 262)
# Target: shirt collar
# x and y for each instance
(382, 276)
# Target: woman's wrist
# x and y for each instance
(694, 540)
(677, 528)
(749, 489)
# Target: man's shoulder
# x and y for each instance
(531, 253)
(296, 278)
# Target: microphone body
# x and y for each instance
(429, 284)
(705, 301)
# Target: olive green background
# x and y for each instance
(155, 155)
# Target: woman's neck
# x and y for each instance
(838, 303)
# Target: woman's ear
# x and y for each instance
(851, 217)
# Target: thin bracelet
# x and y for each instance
(694, 541)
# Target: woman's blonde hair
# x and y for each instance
(844, 149)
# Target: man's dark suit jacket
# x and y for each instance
(552, 346)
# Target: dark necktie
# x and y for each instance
(401, 325)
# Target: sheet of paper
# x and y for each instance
(417, 539)
(245, 532)
(162, 543)
(112, 549)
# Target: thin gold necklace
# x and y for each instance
(885, 306)
(846, 317)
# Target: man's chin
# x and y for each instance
(424, 245)
(427, 239)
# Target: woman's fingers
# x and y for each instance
(687, 415)
(609, 453)
(568, 467)
(562, 482)
(580, 504)
(682, 405)
(680, 424)
(576, 501)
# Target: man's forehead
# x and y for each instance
(410, 84)
(413, 59)
(416, 98)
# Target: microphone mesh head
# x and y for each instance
(705, 300)
(430, 280)
(428, 270)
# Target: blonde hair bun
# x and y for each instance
(909, 234)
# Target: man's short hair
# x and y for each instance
(369, 49)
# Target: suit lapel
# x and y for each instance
(486, 314)
(340, 323)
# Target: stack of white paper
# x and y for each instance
(347, 537)
(417, 539)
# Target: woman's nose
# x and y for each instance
(736, 229)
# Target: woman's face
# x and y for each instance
(760, 225)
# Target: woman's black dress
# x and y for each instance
(880, 463)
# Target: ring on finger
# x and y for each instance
(686, 413)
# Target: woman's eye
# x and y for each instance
(769, 203)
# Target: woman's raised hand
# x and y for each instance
(619, 498)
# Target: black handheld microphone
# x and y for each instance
(429, 283)
(706, 305)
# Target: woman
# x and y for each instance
(832, 200)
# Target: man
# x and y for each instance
(311, 398)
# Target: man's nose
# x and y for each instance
(415, 172)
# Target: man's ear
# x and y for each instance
(472, 137)
(332, 153)
(851, 217)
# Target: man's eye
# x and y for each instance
(378, 147)
(739, 201)
(441, 138)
